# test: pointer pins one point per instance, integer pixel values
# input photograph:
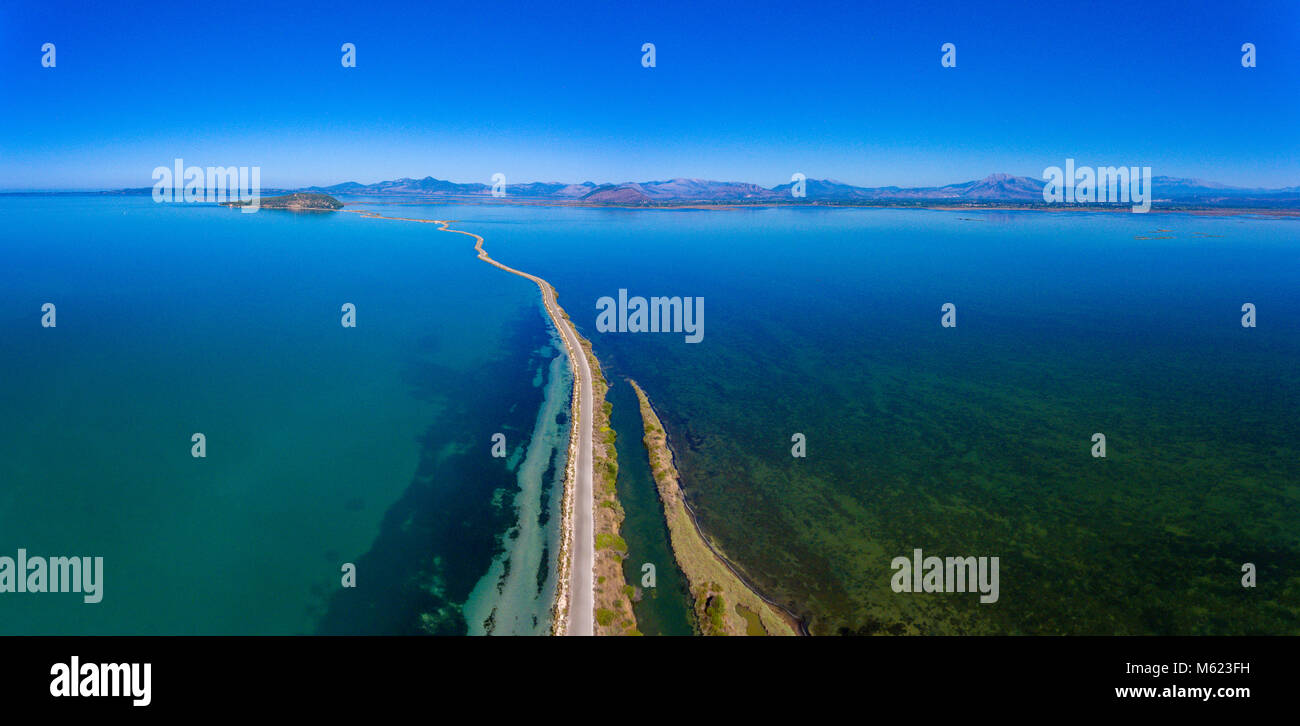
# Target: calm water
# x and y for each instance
(325, 444)
(975, 440)
(665, 608)
(330, 445)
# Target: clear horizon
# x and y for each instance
(488, 182)
(739, 92)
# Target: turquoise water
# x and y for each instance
(369, 445)
(325, 445)
(516, 595)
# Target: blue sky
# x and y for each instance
(747, 91)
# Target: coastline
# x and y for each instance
(929, 205)
(724, 603)
(613, 602)
(571, 580)
(574, 593)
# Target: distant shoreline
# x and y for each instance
(406, 199)
(1211, 211)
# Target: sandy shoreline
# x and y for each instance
(581, 576)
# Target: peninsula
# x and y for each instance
(724, 604)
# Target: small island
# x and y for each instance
(298, 201)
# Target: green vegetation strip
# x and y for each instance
(614, 615)
(724, 605)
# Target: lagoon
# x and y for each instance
(972, 441)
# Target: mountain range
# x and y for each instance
(993, 189)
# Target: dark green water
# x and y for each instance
(665, 608)
(974, 440)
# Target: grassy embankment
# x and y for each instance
(723, 605)
(614, 614)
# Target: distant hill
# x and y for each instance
(427, 185)
(296, 201)
(617, 194)
(993, 189)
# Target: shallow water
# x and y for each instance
(973, 440)
(665, 608)
(516, 595)
(328, 445)
(325, 445)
